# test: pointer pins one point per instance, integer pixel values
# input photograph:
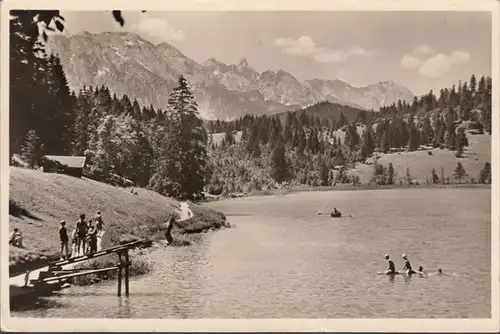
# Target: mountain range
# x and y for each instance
(129, 64)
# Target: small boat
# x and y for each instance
(336, 214)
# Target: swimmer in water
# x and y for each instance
(421, 271)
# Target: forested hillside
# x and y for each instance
(315, 150)
(169, 151)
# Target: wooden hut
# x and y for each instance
(69, 165)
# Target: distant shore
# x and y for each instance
(344, 187)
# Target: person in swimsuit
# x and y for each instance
(63, 237)
(421, 271)
(99, 227)
(98, 222)
(92, 238)
(391, 269)
(168, 232)
(74, 243)
(81, 228)
(407, 267)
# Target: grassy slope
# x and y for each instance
(51, 197)
(420, 163)
(217, 137)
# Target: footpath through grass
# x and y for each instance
(38, 201)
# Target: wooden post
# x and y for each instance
(120, 266)
(127, 263)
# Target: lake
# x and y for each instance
(284, 260)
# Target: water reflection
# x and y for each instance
(124, 307)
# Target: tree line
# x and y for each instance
(309, 150)
(169, 151)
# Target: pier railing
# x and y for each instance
(56, 274)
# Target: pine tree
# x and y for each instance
(408, 176)
(32, 149)
(435, 178)
(390, 174)
(427, 131)
(459, 172)
(279, 164)
(323, 174)
(485, 174)
(80, 128)
(229, 137)
(414, 138)
(367, 142)
(183, 149)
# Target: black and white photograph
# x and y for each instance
(313, 163)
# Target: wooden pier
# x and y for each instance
(55, 275)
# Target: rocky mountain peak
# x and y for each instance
(129, 64)
(243, 64)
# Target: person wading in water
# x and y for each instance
(168, 232)
(407, 267)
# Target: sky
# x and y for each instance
(420, 50)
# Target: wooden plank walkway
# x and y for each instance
(24, 280)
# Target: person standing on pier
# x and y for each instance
(63, 236)
(81, 228)
(99, 227)
(92, 238)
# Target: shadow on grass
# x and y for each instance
(17, 211)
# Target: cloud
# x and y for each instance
(430, 64)
(435, 66)
(158, 29)
(410, 62)
(459, 57)
(305, 46)
(423, 50)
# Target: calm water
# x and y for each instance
(283, 260)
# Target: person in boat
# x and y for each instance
(391, 269)
(16, 238)
(335, 212)
(407, 267)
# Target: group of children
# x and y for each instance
(86, 237)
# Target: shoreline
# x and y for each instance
(343, 187)
(25, 298)
(188, 223)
